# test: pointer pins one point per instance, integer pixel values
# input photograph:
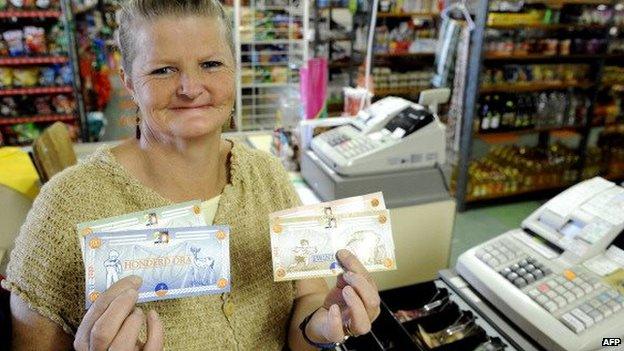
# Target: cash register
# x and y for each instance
(560, 276)
(391, 146)
(556, 283)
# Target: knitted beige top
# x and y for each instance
(47, 271)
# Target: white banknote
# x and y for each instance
(173, 262)
(186, 214)
(305, 247)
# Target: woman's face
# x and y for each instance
(182, 77)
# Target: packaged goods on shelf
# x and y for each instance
(333, 3)
(23, 5)
(385, 78)
(508, 170)
(409, 6)
(26, 133)
(531, 74)
(259, 25)
(512, 13)
(504, 112)
(275, 74)
(32, 41)
(592, 14)
(529, 17)
(405, 37)
(45, 76)
(504, 43)
(29, 105)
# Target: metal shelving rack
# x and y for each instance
(268, 59)
(66, 17)
(361, 18)
(478, 59)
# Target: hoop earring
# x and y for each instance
(232, 121)
(138, 128)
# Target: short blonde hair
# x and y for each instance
(150, 10)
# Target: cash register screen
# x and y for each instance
(409, 121)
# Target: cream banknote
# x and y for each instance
(372, 202)
(305, 246)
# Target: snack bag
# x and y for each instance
(14, 42)
(35, 40)
(25, 77)
(43, 4)
(47, 76)
(6, 77)
(42, 104)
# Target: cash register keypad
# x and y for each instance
(355, 147)
(593, 311)
(497, 253)
(524, 272)
(334, 139)
(562, 290)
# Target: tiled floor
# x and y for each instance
(478, 225)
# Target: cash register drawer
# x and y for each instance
(428, 316)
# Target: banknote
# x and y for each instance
(305, 247)
(374, 201)
(173, 262)
(186, 214)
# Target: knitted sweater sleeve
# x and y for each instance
(46, 268)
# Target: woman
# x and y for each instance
(178, 65)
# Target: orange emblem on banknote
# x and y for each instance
(389, 263)
(94, 296)
(280, 272)
(221, 235)
(95, 243)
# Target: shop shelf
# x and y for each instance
(36, 91)
(273, 42)
(559, 3)
(407, 14)
(333, 7)
(268, 85)
(329, 40)
(494, 134)
(535, 190)
(39, 118)
(539, 57)
(398, 91)
(407, 55)
(30, 14)
(270, 64)
(547, 26)
(17, 61)
(529, 87)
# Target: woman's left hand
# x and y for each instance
(350, 307)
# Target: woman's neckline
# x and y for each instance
(232, 163)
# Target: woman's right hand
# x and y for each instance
(113, 322)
